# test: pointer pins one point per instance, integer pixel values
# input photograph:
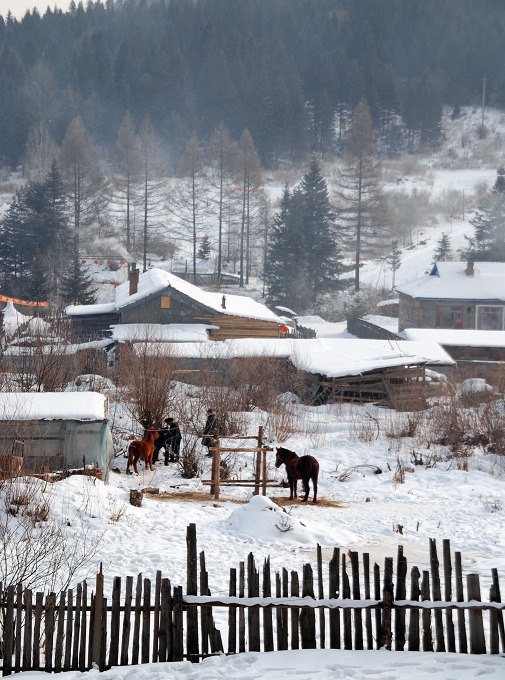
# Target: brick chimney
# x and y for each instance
(469, 268)
(133, 278)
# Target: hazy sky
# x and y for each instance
(19, 7)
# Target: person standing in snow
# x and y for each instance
(175, 438)
(163, 439)
(209, 429)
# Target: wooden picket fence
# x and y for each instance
(360, 610)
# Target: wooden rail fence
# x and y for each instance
(353, 607)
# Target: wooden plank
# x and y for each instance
(232, 614)
(282, 633)
(449, 623)
(437, 595)
(476, 625)
(146, 622)
(462, 639)
(320, 591)
(102, 661)
(125, 633)
(77, 628)
(415, 592)
(426, 613)
(497, 598)
(27, 633)
(37, 625)
(386, 633)
(58, 652)
(136, 621)
(115, 622)
(192, 637)
(49, 616)
(8, 631)
(165, 626)
(253, 618)
(334, 587)
(346, 595)
(368, 613)
(178, 624)
(308, 616)
(205, 614)
(295, 611)
(97, 624)
(241, 611)
(91, 630)
(377, 596)
(67, 661)
(19, 628)
(268, 628)
(356, 595)
(156, 617)
(401, 594)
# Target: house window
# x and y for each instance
(165, 302)
(449, 316)
(489, 318)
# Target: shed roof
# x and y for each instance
(332, 357)
(53, 406)
(456, 337)
(448, 281)
(156, 280)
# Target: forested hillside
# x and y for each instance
(290, 71)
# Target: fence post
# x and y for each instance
(449, 623)
(320, 594)
(193, 647)
(437, 595)
(426, 616)
(356, 595)
(97, 623)
(414, 612)
(401, 594)
(498, 615)
(386, 633)
(368, 613)
(308, 615)
(477, 639)
(334, 581)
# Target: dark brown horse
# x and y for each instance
(142, 448)
(305, 468)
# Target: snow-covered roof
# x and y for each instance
(155, 280)
(330, 357)
(456, 337)
(53, 406)
(448, 281)
(174, 332)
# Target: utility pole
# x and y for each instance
(483, 102)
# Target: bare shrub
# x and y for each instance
(282, 422)
(36, 551)
(399, 473)
(146, 373)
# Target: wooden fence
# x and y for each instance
(157, 622)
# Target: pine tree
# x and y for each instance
(205, 248)
(488, 242)
(394, 260)
(322, 255)
(443, 250)
(77, 285)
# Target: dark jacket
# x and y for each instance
(210, 428)
(174, 437)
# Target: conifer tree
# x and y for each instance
(204, 248)
(77, 285)
(394, 260)
(488, 242)
(443, 250)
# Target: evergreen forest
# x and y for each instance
(289, 71)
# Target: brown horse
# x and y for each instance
(142, 449)
(305, 468)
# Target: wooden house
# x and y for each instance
(455, 295)
(159, 298)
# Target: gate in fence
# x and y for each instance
(361, 609)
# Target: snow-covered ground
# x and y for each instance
(437, 500)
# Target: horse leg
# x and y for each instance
(305, 483)
(314, 484)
